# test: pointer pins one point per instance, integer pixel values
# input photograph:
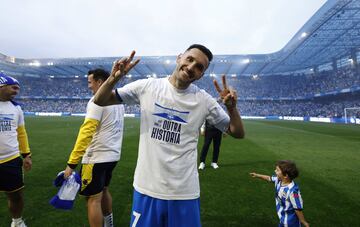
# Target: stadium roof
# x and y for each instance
(331, 34)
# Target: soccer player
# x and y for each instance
(289, 203)
(211, 134)
(99, 145)
(166, 181)
(13, 143)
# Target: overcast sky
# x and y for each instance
(109, 28)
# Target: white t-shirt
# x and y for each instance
(11, 117)
(107, 140)
(169, 131)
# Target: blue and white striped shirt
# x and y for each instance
(288, 199)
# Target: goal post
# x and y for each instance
(352, 115)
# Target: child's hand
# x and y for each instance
(253, 174)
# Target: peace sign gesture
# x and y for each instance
(227, 95)
(123, 66)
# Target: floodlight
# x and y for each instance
(35, 63)
(246, 61)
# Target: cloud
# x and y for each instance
(92, 28)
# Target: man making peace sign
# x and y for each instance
(166, 181)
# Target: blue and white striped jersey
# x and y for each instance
(288, 199)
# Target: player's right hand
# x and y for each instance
(67, 172)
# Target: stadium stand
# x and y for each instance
(289, 95)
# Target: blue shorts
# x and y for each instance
(148, 211)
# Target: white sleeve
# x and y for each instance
(130, 93)
(274, 179)
(93, 111)
(21, 120)
(217, 115)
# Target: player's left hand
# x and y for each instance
(227, 94)
(27, 163)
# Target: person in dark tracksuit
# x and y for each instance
(211, 134)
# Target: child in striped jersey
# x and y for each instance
(289, 204)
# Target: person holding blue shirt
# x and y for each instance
(98, 148)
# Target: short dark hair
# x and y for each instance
(99, 74)
(203, 49)
(289, 168)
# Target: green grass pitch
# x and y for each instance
(328, 156)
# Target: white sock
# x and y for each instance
(108, 221)
(17, 220)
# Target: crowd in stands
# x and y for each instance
(299, 108)
(58, 87)
(64, 105)
(43, 105)
(54, 87)
(74, 94)
(290, 86)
